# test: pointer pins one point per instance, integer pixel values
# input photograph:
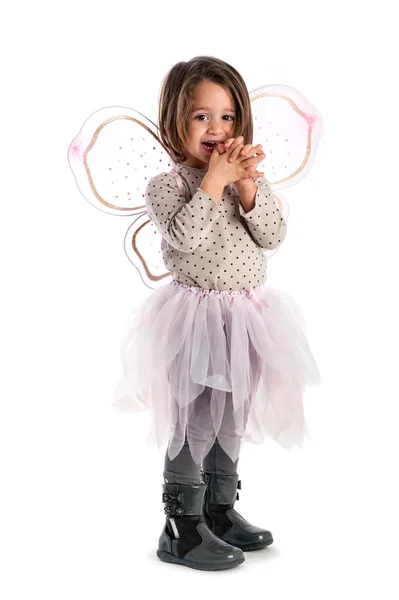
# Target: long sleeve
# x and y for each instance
(266, 224)
(183, 224)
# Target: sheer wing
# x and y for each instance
(113, 156)
(118, 150)
(143, 249)
(289, 128)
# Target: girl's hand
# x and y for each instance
(231, 165)
(246, 150)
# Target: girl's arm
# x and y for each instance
(247, 195)
(266, 224)
(182, 224)
(212, 186)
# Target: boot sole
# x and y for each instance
(256, 546)
(170, 558)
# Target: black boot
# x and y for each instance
(186, 539)
(224, 520)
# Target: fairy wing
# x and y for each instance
(117, 150)
(143, 249)
(112, 158)
(289, 128)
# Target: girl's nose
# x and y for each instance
(215, 127)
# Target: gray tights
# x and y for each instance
(183, 469)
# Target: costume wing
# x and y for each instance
(118, 150)
(113, 156)
(289, 128)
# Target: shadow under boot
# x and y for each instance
(186, 539)
(224, 521)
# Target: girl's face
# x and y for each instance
(211, 120)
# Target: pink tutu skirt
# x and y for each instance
(231, 365)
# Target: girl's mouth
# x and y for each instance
(208, 146)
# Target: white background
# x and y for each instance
(81, 503)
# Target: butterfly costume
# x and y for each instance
(213, 351)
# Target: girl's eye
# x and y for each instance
(228, 117)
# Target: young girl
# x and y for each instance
(219, 357)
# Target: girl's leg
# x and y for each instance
(217, 461)
(186, 539)
(220, 473)
(182, 469)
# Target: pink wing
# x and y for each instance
(143, 249)
(112, 158)
(118, 150)
(289, 128)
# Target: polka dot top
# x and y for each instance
(214, 246)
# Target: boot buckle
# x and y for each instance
(172, 497)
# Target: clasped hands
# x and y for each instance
(247, 155)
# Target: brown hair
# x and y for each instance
(176, 100)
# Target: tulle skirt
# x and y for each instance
(231, 365)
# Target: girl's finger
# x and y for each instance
(252, 149)
(236, 148)
(246, 149)
(221, 148)
(235, 153)
(251, 172)
(228, 142)
(254, 160)
(249, 151)
(238, 142)
(248, 174)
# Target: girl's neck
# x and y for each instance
(192, 168)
